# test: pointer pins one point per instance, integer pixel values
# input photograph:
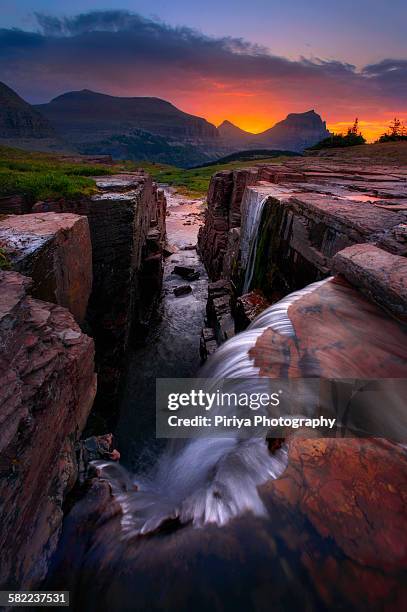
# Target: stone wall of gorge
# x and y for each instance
(96, 262)
(47, 388)
(270, 230)
(126, 221)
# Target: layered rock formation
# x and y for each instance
(127, 228)
(310, 211)
(278, 228)
(101, 258)
(46, 247)
(47, 387)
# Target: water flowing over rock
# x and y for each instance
(294, 218)
(47, 389)
(299, 525)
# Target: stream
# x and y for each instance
(171, 349)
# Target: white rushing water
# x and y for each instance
(252, 208)
(207, 480)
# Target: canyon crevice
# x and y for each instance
(97, 259)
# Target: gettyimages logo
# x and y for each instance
(188, 408)
(207, 401)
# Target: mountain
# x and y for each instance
(295, 133)
(233, 135)
(79, 115)
(19, 120)
(141, 128)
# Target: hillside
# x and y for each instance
(233, 135)
(380, 153)
(85, 114)
(18, 119)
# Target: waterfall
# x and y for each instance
(207, 480)
(252, 208)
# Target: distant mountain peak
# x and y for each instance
(20, 120)
(296, 132)
(229, 131)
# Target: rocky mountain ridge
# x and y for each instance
(141, 128)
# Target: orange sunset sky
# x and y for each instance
(251, 63)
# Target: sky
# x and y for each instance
(249, 62)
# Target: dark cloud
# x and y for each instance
(123, 53)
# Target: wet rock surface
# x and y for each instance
(46, 247)
(338, 334)
(182, 290)
(248, 307)
(171, 349)
(314, 208)
(304, 553)
(47, 389)
(219, 310)
(378, 274)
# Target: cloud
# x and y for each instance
(123, 53)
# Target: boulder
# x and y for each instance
(182, 290)
(381, 276)
(183, 271)
(55, 251)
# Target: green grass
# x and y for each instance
(44, 176)
(4, 262)
(41, 176)
(195, 182)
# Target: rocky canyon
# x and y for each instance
(290, 270)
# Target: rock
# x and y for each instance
(93, 449)
(183, 271)
(314, 210)
(44, 356)
(378, 274)
(193, 276)
(207, 343)
(189, 247)
(332, 539)
(248, 307)
(169, 249)
(219, 310)
(182, 290)
(13, 205)
(46, 247)
(338, 333)
(127, 271)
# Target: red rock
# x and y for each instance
(127, 269)
(378, 274)
(55, 251)
(338, 334)
(44, 356)
(248, 307)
